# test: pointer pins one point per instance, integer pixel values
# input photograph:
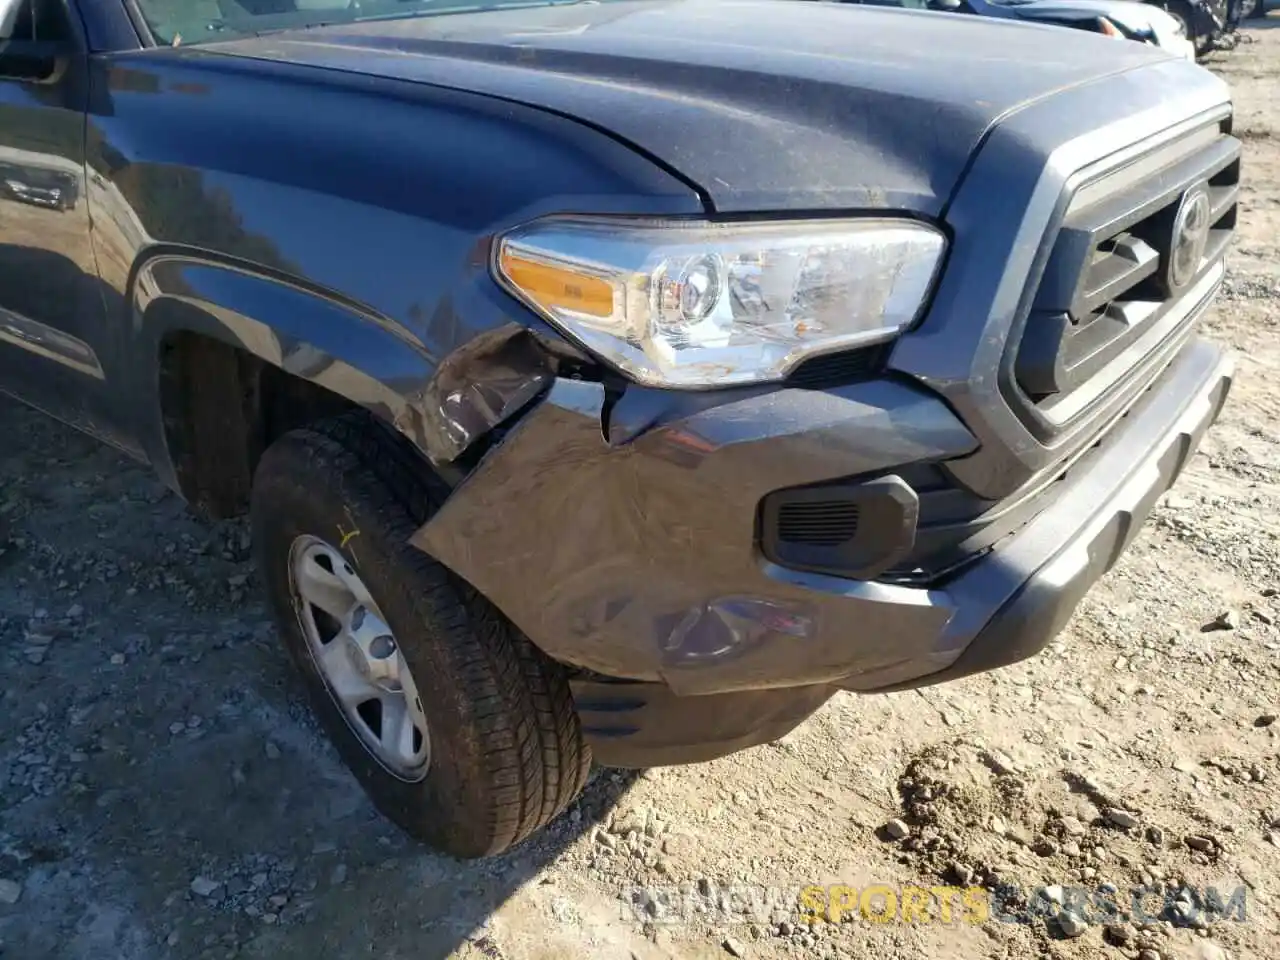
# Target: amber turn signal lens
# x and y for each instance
(555, 288)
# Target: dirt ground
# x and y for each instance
(164, 794)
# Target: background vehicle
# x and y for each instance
(38, 184)
(1238, 10)
(1122, 18)
(592, 394)
(1204, 21)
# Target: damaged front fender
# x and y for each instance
(480, 386)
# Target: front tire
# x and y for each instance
(473, 743)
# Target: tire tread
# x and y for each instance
(536, 762)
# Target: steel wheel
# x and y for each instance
(456, 726)
(356, 653)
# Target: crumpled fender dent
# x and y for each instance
(441, 407)
(638, 559)
(480, 386)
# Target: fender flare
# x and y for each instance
(439, 405)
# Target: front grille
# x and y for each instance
(1135, 244)
(1108, 312)
(819, 523)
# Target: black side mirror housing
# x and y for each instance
(35, 61)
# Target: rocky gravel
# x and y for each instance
(165, 794)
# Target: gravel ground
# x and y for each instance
(164, 794)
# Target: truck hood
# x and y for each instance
(760, 105)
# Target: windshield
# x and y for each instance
(183, 22)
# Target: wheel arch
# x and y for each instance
(242, 354)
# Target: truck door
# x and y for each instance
(52, 315)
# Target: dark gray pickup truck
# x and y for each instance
(618, 379)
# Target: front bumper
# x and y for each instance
(638, 559)
(1042, 573)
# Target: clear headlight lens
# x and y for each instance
(696, 304)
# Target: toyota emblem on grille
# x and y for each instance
(1190, 237)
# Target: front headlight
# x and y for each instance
(681, 304)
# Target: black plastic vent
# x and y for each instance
(818, 523)
(835, 369)
(855, 528)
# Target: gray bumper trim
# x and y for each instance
(1039, 577)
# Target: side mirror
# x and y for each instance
(24, 55)
(947, 6)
